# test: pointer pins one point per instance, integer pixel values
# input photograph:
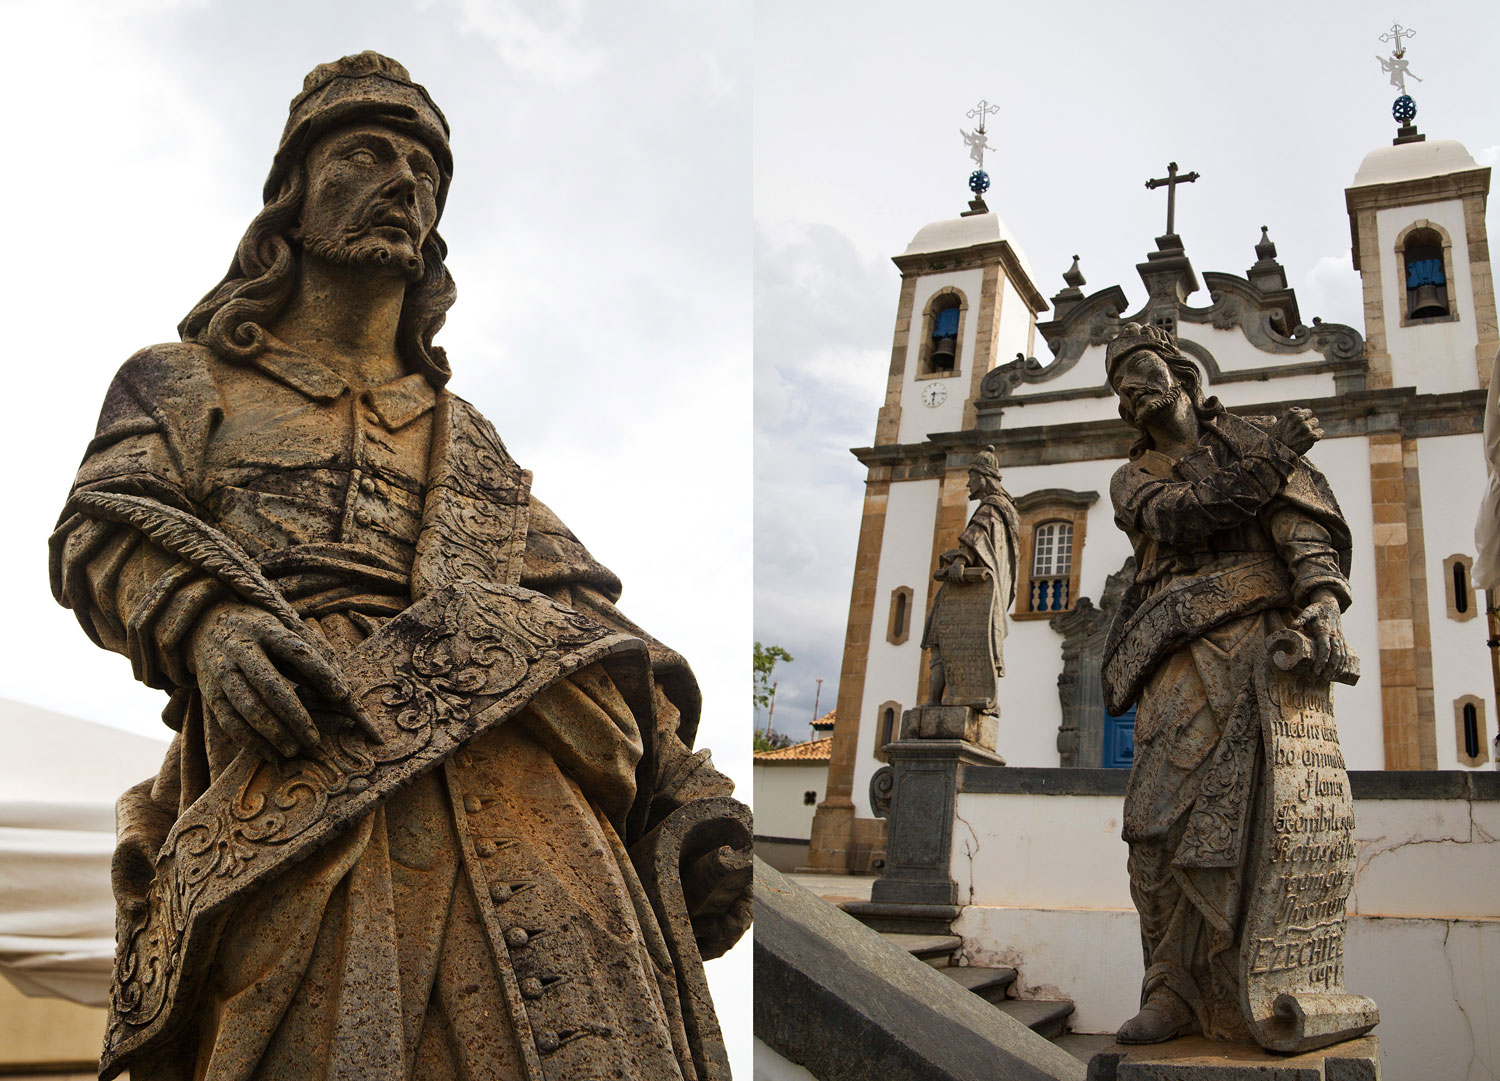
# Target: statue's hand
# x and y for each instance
(249, 667)
(1321, 621)
(1298, 429)
(718, 889)
(955, 570)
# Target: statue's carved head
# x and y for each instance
(366, 92)
(1181, 374)
(984, 474)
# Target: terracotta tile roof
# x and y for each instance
(825, 722)
(817, 750)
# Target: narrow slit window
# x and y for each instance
(1460, 587)
(1471, 730)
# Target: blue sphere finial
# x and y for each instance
(979, 181)
(1404, 109)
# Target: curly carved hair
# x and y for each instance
(232, 317)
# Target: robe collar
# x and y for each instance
(397, 403)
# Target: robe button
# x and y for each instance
(547, 1041)
(516, 937)
(372, 416)
(471, 804)
(531, 987)
(500, 892)
(367, 486)
(485, 848)
(362, 517)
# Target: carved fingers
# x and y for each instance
(1298, 429)
(1322, 623)
(249, 668)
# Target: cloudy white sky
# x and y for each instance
(858, 107)
(599, 232)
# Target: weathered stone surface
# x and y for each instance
(1194, 1058)
(1238, 811)
(965, 631)
(431, 810)
(950, 722)
(835, 997)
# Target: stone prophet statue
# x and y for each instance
(431, 809)
(965, 631)
(1237, 811)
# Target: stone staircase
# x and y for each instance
(923, 932)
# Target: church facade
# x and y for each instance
(1401, 402)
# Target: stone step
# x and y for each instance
(1045, 1017)
(910, 919)
(1084, 1045)
(936, 950)
(990, 984)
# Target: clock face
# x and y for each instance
(934, 394)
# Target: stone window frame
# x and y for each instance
(1483, 725)
(929, 317)
(891, 634)
(894, 732)
(1037, 509)
(1450, 592)
(1401, 290)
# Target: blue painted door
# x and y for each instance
(1119, 739)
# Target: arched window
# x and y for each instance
(898, 629)
(1471, 732)
(1051, 566)
(942, 333)
(1424, 260)
(1458, 585)
(887, 726)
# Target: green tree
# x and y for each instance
(773, 742)
(766, 658)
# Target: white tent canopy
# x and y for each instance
(59, 781)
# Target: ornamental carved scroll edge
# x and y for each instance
(460, 661)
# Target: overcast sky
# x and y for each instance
(600, 236)
(858, 108)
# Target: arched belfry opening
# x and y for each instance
(943, 326)
(1426, 275)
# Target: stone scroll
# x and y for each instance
(961, 629)
(1292, 950)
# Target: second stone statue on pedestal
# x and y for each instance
(965, 632)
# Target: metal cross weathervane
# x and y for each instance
(977, 141)
(1396, 65)
(1171, 180)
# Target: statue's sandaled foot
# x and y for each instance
(1163, 1017)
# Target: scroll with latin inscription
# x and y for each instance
(1292, 950)
(961, 629)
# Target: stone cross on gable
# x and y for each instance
(1171, 180)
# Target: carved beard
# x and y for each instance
(1155, 407)
(366, 251)
(359, 248)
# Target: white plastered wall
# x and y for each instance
(1358, 709)
(1453, 476)
(917, 420)
(1047, 893)
(891, 671)
(1015, 324)
(1436, 358)
(781, 809)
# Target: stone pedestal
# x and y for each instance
(951, 722)
(1194, 1058)
(926, 774)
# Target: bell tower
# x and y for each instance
(968, 303)
(1416, 218)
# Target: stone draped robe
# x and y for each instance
(1229, 541)
(476, 917)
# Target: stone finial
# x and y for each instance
(1267, 273)
(1074, 276)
